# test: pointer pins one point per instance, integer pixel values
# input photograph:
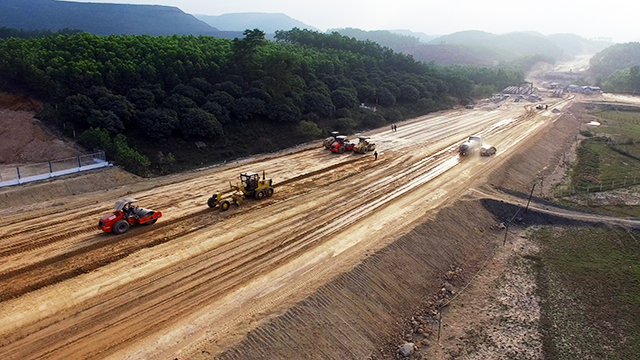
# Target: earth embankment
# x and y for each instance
(362, 311)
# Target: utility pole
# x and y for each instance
(530, 195)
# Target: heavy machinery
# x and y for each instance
(487, 150)
(364, 145)
(341, 145)
(127, 214)
(330, 140)
(474, 143)
(250, 185)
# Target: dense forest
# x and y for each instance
(149, 100)
(617, 68)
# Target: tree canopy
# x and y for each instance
(209, 89)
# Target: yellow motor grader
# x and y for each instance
(250, 185)
(364, 145)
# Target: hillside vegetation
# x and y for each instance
(100, 19)
(149, 100)
(617, 68)
(267, 22)
(505, 47)
(480, 48)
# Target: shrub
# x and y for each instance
(309, 129)
(343, 98)
(345, 124)
(201, 123)
(393, 115)
(129, 158)
(373, 121)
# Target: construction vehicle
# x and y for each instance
(127, 214)
(250, 185)
(364, 145)
(330, 140)
(487, 150)
(341, 145)
(472, 144)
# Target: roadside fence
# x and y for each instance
(603, 185)
(33, 172)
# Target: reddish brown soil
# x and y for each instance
(24, 138)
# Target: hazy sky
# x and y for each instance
(616, 19)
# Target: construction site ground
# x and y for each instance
(327, 268)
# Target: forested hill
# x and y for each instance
(506, 47)
(100, 19)
(617, 68)
(478, 47)
(163, 103)
(614, 58)
(267, 22)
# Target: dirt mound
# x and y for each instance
(18, 102)
(541, 157)
(24, 138)
(348, 317)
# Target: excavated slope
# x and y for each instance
(348, 317)
(359, 311)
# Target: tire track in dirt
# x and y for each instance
(276, 254)
(94, 255)
(251, 260)
(138, 308)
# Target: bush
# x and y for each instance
(129, 158)
(426, 104)
(221, 113)
(343, 98)
(201, 123)
(343, 113)
(309, 129)
(373, 121)
(385, 97)
(393, 115)
(318, 103)
(118, 149)
(106, 120)
(283, 109)
(345, 124)
(96, 138)
(244, 108)
(409, 93)
(158, 123)
(77, 109)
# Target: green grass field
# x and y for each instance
(612, 153)
(589, 286)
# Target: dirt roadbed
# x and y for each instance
(199, 280)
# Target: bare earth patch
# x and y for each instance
(23, 139)
(496, 317)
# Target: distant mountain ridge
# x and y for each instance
(507, 47)
(382, 37)
(526, 42)
(100, 18)
(479, 47)
(420, 35)
(267, 22)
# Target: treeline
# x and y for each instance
(6, 33)
(617, 68)
(394, 41)
(236, 96)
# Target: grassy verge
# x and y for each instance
(589, 286)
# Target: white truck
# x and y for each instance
(474, 143)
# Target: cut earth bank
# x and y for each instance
(381, 304)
